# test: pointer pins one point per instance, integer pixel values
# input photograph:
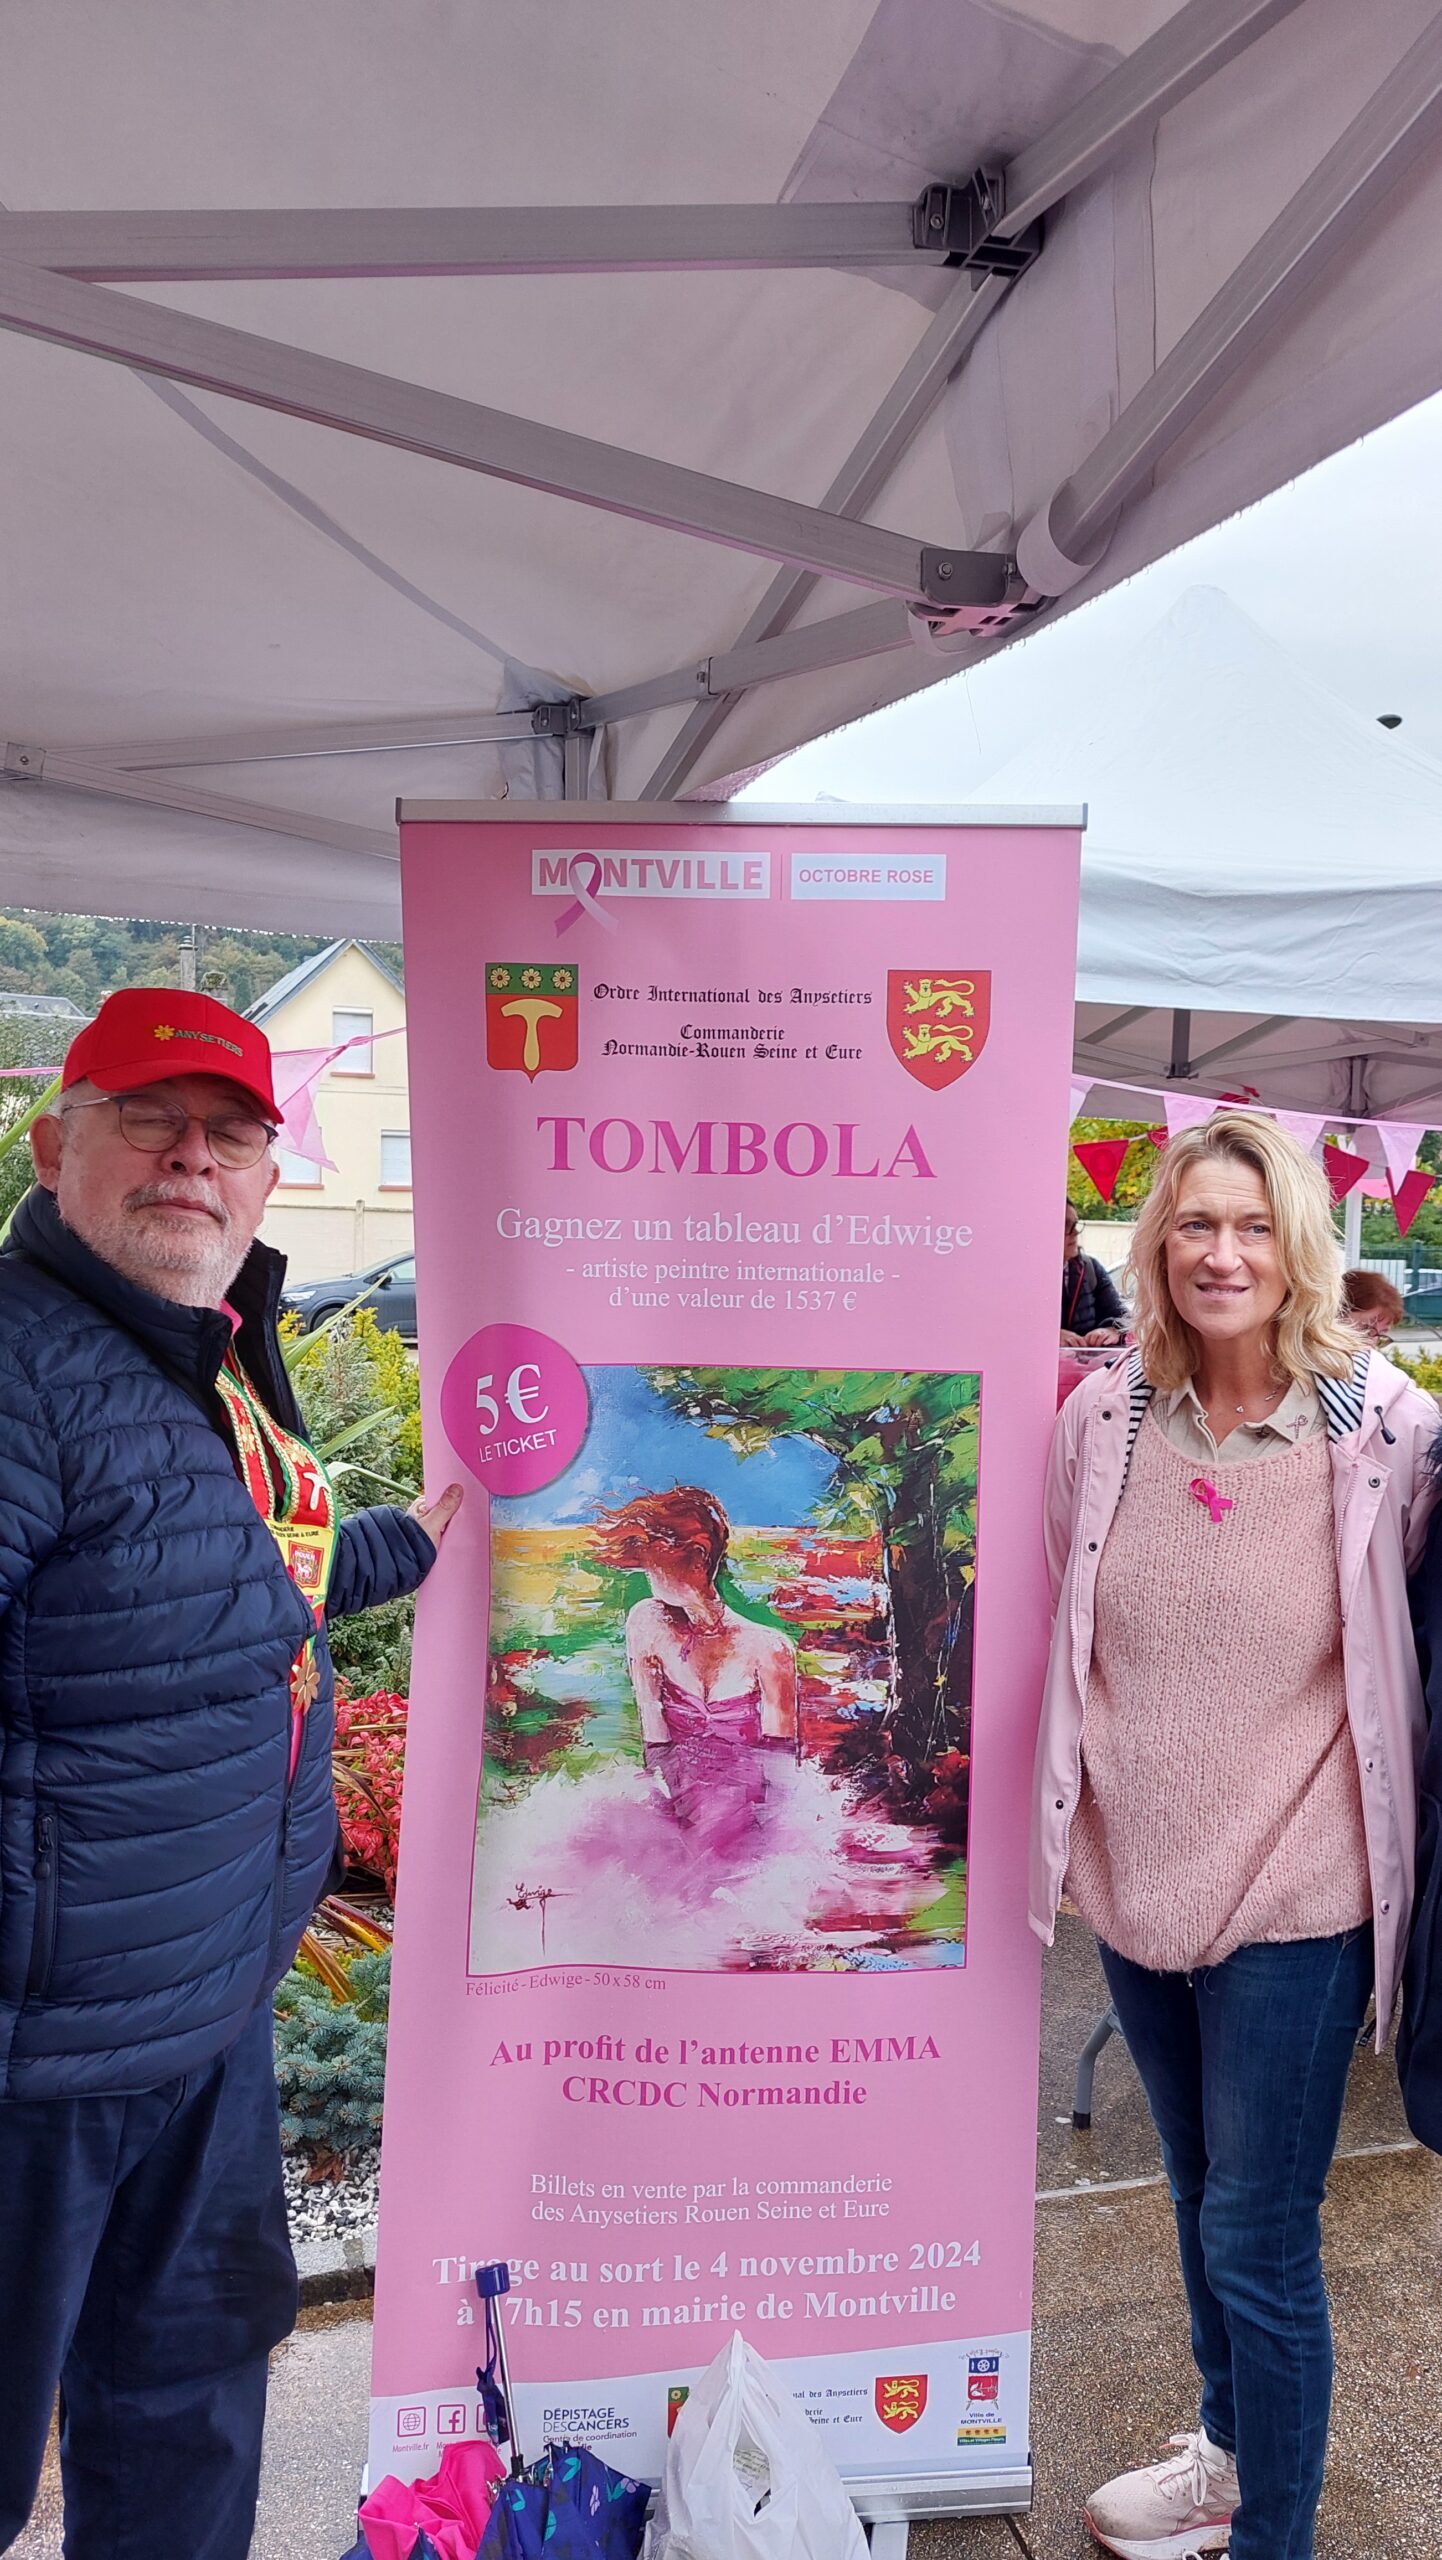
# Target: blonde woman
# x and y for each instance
(1226, 1779)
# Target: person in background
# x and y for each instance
(1226, 1779)
(1371, 1306)
(171, 1552)
(1091, 1310)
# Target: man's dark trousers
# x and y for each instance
(145, 2267)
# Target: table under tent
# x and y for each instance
(458, 411)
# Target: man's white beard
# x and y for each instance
(190, 1261)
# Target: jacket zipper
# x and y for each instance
(47, 1859)
(278, 1891)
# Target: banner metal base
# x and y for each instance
(888, 2506)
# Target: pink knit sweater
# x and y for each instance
(1220, 1802)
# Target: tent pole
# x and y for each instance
(296, 382)
(1352, 1223)
(77, 773)
(1398, 122)
(1193, 44)
(575, 764)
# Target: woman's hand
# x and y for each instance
(436, 1517)
(1070, 1341)
(1103, 1333)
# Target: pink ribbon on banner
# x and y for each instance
(585, 901)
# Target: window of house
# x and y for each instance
(359, 1061)
(395, 1160)
(297, 1170)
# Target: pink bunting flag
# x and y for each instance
(1187, 1110)
(1400, 1142)
(1408, 1196)
(1305, 1126)
(296, 1072)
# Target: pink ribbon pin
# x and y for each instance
(1217, 1503)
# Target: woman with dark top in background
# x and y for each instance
(1091, 1310)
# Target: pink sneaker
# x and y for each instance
(1170, 2510)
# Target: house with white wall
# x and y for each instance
(334, 1221)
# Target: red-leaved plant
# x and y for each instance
(369, 1766)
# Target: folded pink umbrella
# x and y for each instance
(452, 2510)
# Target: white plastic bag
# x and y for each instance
(747, 2476)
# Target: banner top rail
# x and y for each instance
(731, 813)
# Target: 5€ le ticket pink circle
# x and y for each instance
(514, 1407)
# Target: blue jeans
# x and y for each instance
(1245, 2069)
(145, 2268)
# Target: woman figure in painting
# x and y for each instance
(716, 1692)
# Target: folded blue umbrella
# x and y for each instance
(539, 2520)
(610, 2505)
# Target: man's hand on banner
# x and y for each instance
(436, 1517)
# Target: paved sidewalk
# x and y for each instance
(1113, 2376)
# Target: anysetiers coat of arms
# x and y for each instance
(532, 1017)
(937, 1021)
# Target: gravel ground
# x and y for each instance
(326, 2212)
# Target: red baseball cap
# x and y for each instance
(141, 1035)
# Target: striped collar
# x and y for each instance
(1343, 1401)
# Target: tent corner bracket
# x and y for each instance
(22, 763)
(961, 222)
(559, 719)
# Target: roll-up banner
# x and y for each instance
(739, 1143)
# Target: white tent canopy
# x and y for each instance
(440, 399)
(1262, 880)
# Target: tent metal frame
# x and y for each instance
(58, 278)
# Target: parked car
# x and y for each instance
(389, 1287)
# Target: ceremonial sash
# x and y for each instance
(294, 1496)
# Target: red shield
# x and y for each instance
(532, 1016)
(900, 2399)
(937, 1021)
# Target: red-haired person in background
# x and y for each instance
(1371, 1306)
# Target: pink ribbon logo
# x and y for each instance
(1218, 1504)
(585, 901)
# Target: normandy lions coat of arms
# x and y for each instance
(937, 1021)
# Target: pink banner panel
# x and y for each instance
(714, 2001)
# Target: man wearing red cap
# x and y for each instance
(170, 1553)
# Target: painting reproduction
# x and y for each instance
(728, 1704)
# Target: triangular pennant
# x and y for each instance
(1400, 1142)
(1187, 1110)
(1408, 1196)
(1159, 1137)
(1343, 1171)
(1102, 1160)
(1305, 1126)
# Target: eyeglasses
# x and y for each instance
(236, 1139)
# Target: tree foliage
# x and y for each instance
(905, 1448)
(86, 957)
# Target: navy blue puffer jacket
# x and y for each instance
(156, 1868)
